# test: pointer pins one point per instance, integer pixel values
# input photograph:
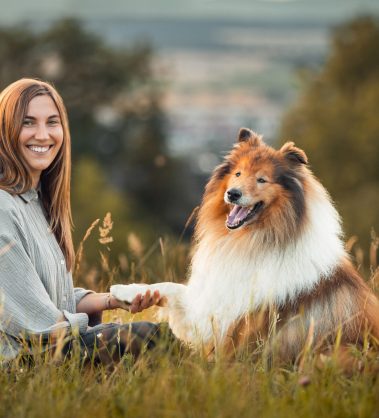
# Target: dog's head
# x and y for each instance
(259, 187)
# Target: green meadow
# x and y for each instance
(172, 380)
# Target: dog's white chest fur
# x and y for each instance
(219, 291)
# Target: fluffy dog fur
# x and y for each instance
(267, 255)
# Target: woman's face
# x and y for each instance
(41, 135)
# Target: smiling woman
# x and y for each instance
(36, 249)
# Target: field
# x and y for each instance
(183, 385)
(174, 382)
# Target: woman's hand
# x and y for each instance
(139, 303)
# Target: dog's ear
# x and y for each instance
(293, 154)
(247, 135)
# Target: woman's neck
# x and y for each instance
(35, 181)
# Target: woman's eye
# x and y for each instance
(238, 174)
(27, 123)
(53, 122)
(261, 180)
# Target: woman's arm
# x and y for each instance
(97, 302)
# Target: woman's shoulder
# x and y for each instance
(6, 199)
(12, 220)
(7, 202)
(10, 216)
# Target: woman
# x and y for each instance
(36, 250)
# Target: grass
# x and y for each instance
(180, 383)
(185, 385)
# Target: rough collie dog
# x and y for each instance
(268, 261)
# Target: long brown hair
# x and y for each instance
(55, 180)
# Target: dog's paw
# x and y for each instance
(126, 293)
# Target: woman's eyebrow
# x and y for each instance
(50, 117)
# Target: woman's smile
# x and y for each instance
(39, 149)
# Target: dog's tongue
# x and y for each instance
(236, 214)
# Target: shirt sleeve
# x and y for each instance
(26, 307)
(79, 293)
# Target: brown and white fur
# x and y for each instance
(283, 262)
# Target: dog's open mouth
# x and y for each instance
(241, 214)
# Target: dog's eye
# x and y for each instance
(261, 180)
(238, 174)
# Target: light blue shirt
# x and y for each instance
(35, 287)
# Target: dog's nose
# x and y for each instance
(234, 195)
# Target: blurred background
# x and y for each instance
(156, 91)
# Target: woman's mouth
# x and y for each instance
(39, 149)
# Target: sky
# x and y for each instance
(329, 10)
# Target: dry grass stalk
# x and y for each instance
(123, 262)
(60, 340)
(374, 250)
(79, 253)
(106, 229)
(104, 262)
(189, 221)
(135, 245)
(161, 245)
(350, 243)
(307, 346)
(91, 277)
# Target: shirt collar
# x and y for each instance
(31, 194)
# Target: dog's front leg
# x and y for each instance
(172, 294)
(175, 303)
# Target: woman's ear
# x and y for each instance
(247, 135)
(293, 154)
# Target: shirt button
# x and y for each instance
(62, 262)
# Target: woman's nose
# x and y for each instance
(42, 131)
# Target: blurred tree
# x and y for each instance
(337, 123)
